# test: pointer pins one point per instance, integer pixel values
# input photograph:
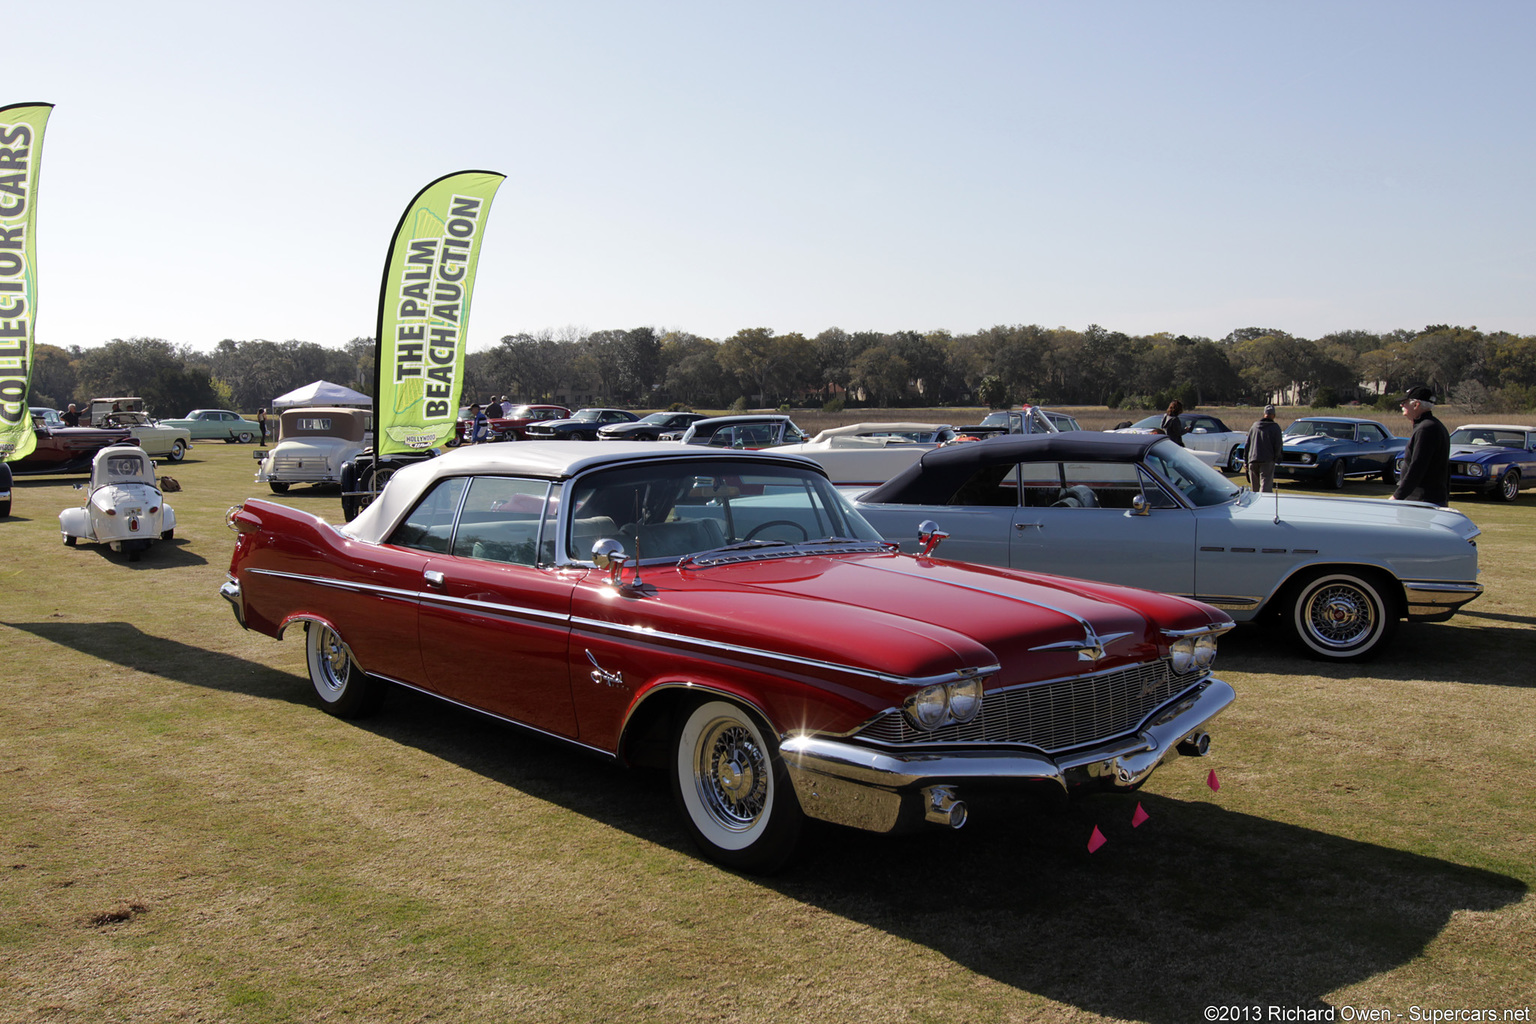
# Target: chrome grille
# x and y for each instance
(1056, 715)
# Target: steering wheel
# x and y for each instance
(776, 522)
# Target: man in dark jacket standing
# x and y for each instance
(1427, 459)
(1265, 443)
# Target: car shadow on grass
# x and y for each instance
(1197, 906)
(1461, 651)
(123, 643)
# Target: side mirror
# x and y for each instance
(609, 554)
(1139, 505)
(929, 535)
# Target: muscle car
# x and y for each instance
(1491, 459)
(728, 617)
(1333, 449)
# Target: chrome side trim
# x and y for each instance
(625, 629)
(608, 754)
(653, 635)
(1436, 600)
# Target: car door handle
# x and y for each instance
(1025, 526)
(433, 578)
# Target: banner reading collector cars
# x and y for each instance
(21, 158)
(424, 311)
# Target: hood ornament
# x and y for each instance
(1090, 648)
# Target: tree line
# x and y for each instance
(757, 367)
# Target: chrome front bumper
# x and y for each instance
(888, 789)
(1437, 600)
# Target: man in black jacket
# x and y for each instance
(1427, 459)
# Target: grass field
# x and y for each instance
(185, 836)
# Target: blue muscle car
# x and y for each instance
(1331, 449)
(1492, 459)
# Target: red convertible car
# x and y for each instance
(729, 617)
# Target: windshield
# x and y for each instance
(676, 508)
(656, 417)
(1309, 428)
(587, 414)
(1479, 436)
(1149, 423)
(1199, 483)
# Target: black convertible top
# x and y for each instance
(935, 477)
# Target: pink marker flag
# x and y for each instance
(1139, 817)
(1096, 840)
(1211, 780)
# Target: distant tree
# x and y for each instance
(150, 368)
(53, 376)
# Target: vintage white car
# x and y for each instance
(313, 445)
(123, 507)
(866, 454)
(158, 439)
(1218, 445)
(1139, 510)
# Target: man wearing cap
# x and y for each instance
(1427, 459)
(1265, 443)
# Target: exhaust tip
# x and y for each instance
(1196, 744)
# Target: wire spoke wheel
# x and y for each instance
(732, 787)
(343, 688)
(1342, 616)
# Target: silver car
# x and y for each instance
(1138, 509)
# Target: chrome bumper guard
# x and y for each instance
(1437, 600)
(230, 591)
(887, 790)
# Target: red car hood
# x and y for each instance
(906, 617)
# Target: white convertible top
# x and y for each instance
(550, 460)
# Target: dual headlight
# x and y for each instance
(944, 703)
(1469, 468)
(1193, 653)
(1308, 458)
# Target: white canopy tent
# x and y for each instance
(322, 392)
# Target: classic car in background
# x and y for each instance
(1027, 419)
(744, 430)
(315, 443)
(1138, 509)
(1332, 449)
(1061, 421)
(62, 449)
(866, 454)
(1202, 433)
(1492, 459)
(511, 427)
(124, 507)
(156, 438)
(726, 616)
(217, 425)
(649, 427)
(581, 426)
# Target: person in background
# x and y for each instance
(1172, 425)
(1265, 442)
(71, 416)
(493, 409)
(261, 418)
(482, 424)
(1427, 459)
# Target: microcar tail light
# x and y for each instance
(111, 511)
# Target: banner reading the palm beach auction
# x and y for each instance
(424, 311)
(21, 158)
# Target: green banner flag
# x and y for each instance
(21, 160)
(424, 311)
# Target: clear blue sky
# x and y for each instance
(219, 170)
